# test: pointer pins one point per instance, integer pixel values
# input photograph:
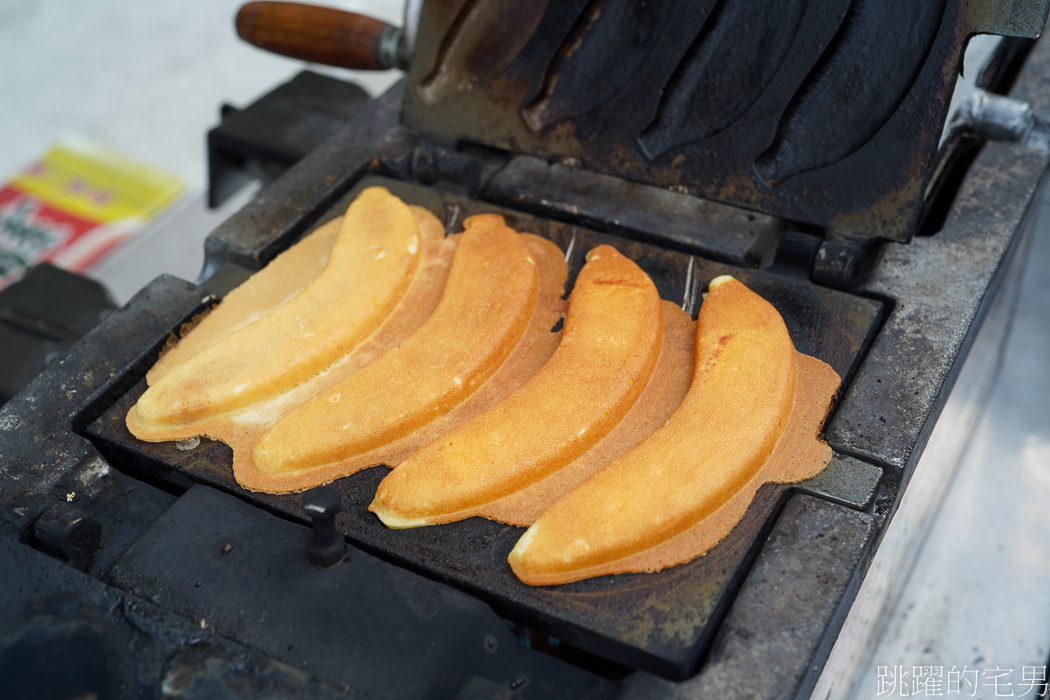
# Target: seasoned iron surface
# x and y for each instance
(824, 112)
(215, 557)
(660, 622)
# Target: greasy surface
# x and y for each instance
(942, 285)
(371, 266)
(875, 191)
(445, 345)
(799, 587)
(348, 624)
(701, 226)
(482, 39)
(707, 451)
(488, 301)
(64, 634)
(580, 77)
(661, 623)
(608, 350)
(772, 630)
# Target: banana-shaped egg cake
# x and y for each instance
(505, 462)
(490, 331)
(752, 415)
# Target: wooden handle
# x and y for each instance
(316, 34)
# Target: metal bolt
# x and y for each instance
(322, 504)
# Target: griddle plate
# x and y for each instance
(661, 622)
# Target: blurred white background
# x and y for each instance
(146, 79)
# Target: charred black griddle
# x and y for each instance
(206, 585)
(656, 622)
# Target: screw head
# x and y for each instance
(322, 502)
(327, 545)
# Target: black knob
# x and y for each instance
(322, 504)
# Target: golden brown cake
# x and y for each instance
(293, 269)
(663, 394)
(282, 278)
(489, 313)
(369, 270)
(680, 491)
(610, 346)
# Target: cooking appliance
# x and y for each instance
(436, 611)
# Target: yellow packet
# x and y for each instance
(75, 205)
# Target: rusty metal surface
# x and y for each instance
(661, 622)
(1020, 19)
(285, 208)
(818, 168)
(37, 442)
(800, 586)
(941, 286)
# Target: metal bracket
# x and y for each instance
(840, 262)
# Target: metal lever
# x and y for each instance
(1000, 118)
(323, 35)
(996, 117)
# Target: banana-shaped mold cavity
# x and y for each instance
(730, 64)
(861, 79)
(608, 44)
(495, 314)
(369, 270)
(751, 415)
(612, 342)
(483, 39)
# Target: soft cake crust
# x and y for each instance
(680, 491)
(410, 397)
(370, 269)
(610, 347)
